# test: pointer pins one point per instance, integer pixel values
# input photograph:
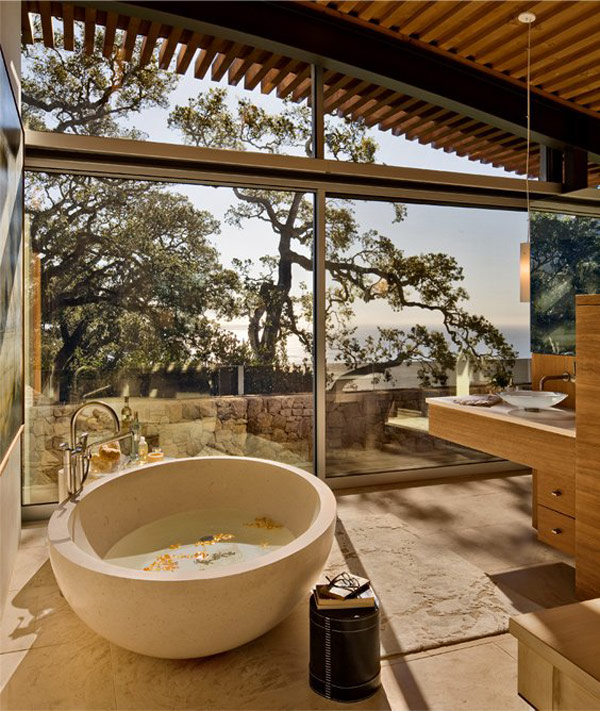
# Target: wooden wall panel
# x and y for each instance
(548, 364)
(587, 472)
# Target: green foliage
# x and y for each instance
(565, 261)
(73, 92)
(129, 277)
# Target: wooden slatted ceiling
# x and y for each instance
(565, 54)
(455, 23)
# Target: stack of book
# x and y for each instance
(344, 591)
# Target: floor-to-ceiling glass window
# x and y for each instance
(190, 305)
(422, 301)
(196, 303)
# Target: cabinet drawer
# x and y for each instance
(556, 491)
(556, 529)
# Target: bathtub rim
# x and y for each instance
(60, 539)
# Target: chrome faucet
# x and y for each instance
(565, 377)
(77, 451)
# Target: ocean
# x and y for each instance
(516, 334)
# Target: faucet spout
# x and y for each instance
(565, 377)
(76, 453)
(92, 403)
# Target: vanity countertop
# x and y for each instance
(558, 420)
(540, 440)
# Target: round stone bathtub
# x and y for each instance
(190, 613)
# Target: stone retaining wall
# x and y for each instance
(275, 427)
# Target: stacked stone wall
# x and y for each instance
(271, 426)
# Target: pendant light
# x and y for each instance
(527, 18)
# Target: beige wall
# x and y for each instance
(10, 475)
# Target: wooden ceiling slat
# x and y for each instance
(349, 6)
(224, 59)
(512, 56)
(483, 132)
(291, 83)
(452, 129)
(449, 125)
(394, 109)
(415, 127)
(419, 120)
(416, 10)
(275, 76)
(168, 47)
(366, 97)
(26, 27)
(468, 144)
(578, 58)
(387, 123)
(89, 30)
(590, 94)
(256, 73)
(486, 31)
(239, 68)
(149, 43)
(68, 26)
(223, 63)
(369, 10)
(421, 16)
(499, 152)
(47, 29)
(334, 102)
(441, 22)
(205, 59)
(130, 37)
(377, 99)
(108, 45)
(466, 15)
(302, 91)
(187, 52)
(342, 83)
(574, 82)
(395, 13)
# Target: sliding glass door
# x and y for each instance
(422, 301)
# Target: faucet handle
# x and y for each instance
(81, 443)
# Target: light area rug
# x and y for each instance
(430, 596)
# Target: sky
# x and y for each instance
(484, 242)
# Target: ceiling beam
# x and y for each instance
(401, 63)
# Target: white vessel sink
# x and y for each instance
(531, 400)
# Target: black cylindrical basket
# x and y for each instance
(344, 652)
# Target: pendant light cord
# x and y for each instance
(528, 130)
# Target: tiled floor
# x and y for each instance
(50, 660)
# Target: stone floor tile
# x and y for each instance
(34, 534)
(477, 678)
(32, 567)
(508, 643)
(499, 547)
(67, 676)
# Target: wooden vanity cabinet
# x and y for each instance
(554, 508)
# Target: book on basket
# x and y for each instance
(345, 591)
(363, 599)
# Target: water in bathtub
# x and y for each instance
(199, 540)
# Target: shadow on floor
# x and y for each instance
(413, 697)
(548, 585)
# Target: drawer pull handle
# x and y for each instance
(556, 492)
(556, 531)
